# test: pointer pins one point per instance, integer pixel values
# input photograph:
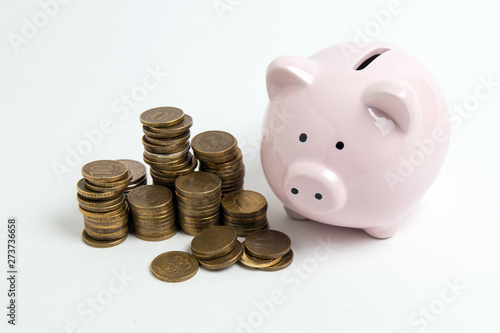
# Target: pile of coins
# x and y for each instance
(102, 202)
(245, 211)
(218, 153)
(166, 144)
(153, 212)
(139, 177)
(267, 250)
(217, 247)
(198, 201)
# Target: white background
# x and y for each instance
(70, 74)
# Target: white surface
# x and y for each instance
(71, 75)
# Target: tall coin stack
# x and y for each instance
(245, 211)
(102, 202)
(218, 153)
(198, 201)
(153, 212)
(166, 144)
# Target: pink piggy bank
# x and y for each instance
(353, 136)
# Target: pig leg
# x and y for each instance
(382, 232)
(294, 215)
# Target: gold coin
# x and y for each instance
(244, 204)
(101, 243)
(267, 244)
(215, 146)
(175, 141)
(162, 116)
(137, 168)
(250, 261)
(92, 195)
(150, 197)
(198, 184)
(155, 238)
(104, 171)
(171, 131)
(225, 261)
(282, 264)
(174, 266)
(157, 149)
(213, 243)
(101, 205)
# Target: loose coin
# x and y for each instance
(162, 116)
(174, 266)
(224, 261)
(214, 242)
(267, 244)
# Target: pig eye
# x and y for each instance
(303, 137)
(339, 145)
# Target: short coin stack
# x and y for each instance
(267, 250)
(198, 201)
(153, 212)
(245, 211)
(139, 177)
(217, 247)
(218, 153)
(102, 203)
(166, 144)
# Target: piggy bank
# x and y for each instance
(353, 136)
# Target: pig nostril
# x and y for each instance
(318, 196)
(295, 191)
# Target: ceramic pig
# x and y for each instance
(353, 136)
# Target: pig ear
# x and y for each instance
(289, 71)
(398, 100)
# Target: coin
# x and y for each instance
(198, 184)
(164, 149)
(225, 261)
(101, 243)
(171, 131)
(282, 264)
(267, 244)
(213, 243)
(214, 146)
(162, 116)
(174, 266)
(250, 261)
(244, 204)
(151, 197)
(156, 237)
(173, 141)
(101, 206)
(104, 171)
(92, 195)
(137, 168)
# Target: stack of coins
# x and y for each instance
(153, 212)
(102, 203)
(245, 211)
(267, 250)
(218, 153)
(139, 177)
(198, 201)
(166, 144)
(217, 247)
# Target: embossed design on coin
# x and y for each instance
(162, 116)
(174, 266)
(104, 171)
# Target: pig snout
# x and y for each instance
(314, 188)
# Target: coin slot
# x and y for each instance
(369, 58)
